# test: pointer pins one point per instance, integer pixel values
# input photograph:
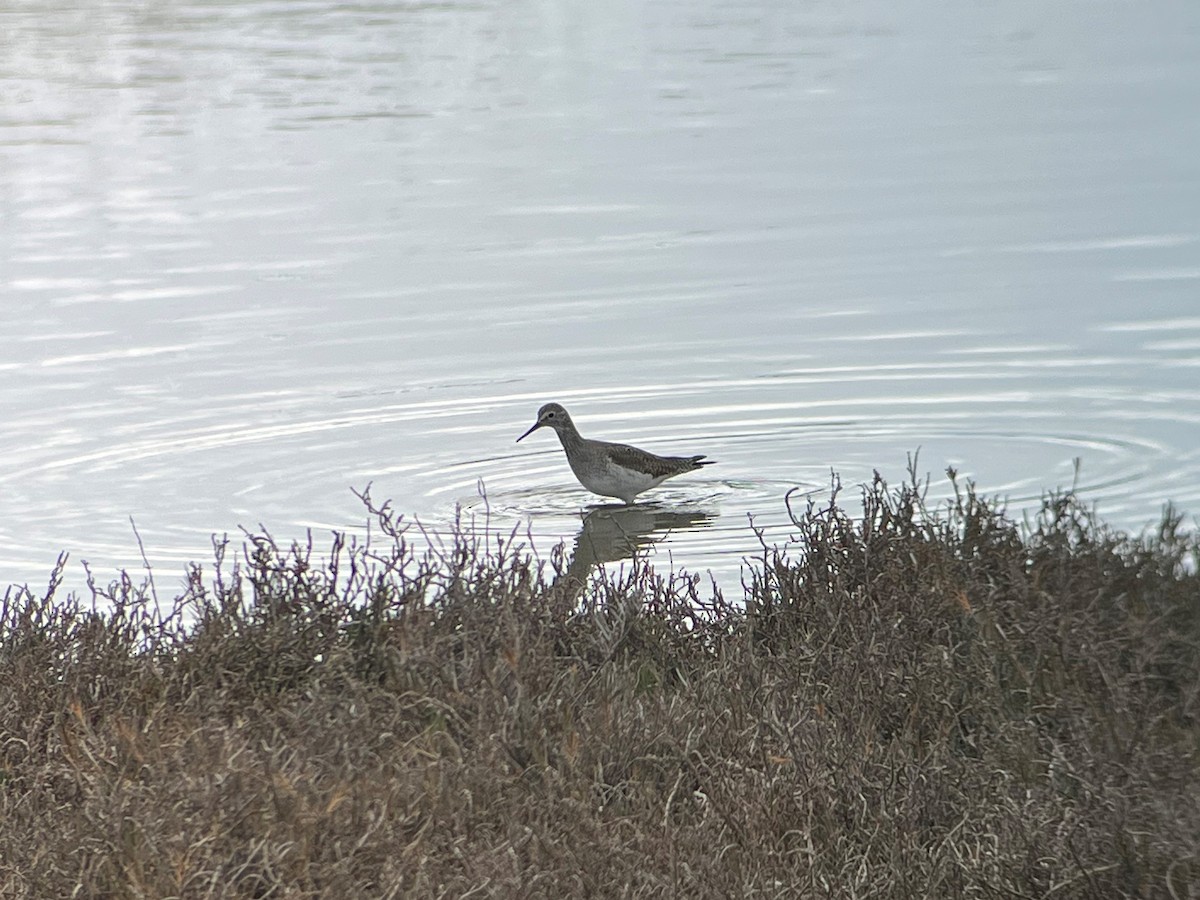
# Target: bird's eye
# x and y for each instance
(549, 415)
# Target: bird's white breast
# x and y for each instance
(611, 480)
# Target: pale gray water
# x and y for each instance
(256, 254)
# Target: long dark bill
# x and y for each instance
(536, 426)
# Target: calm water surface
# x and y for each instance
(253, 255)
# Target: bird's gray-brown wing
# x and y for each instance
(655, 466)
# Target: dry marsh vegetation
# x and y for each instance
(912, 703)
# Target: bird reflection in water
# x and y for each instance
(613, 532)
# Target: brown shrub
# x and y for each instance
(915, 703)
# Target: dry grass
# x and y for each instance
(917, 704)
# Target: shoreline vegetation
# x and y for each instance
(913, 701)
